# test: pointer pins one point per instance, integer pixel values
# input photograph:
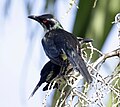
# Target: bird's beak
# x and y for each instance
(34, 17)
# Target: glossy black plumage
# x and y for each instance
(57, 42)
(60, 45)
(48, 73)
(51, 70)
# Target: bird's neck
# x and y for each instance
(56, 26)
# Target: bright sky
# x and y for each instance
(19, 71)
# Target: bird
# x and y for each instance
(50, 71)
(61, 46)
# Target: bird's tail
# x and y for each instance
(35, 89)
(79, 64)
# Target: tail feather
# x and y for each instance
(35, 89)
(78, 62)
(83, 69)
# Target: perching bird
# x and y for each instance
(51, 70)
(48, 73)
(60, 45)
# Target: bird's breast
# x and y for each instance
(50, 47)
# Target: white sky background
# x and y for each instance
(18, 79)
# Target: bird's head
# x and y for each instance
(47, 21)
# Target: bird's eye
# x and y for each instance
(44, 21)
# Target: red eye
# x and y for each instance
(44, 21)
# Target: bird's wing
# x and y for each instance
(46, 69)
(48, 73)
(69, 44)
(44, 74)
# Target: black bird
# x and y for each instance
(51, 70)
(60, 45)
(48, 73)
